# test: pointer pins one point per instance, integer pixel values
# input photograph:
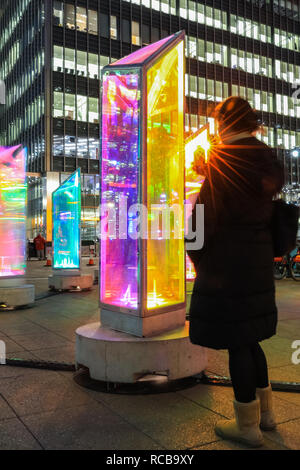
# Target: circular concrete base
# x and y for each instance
(70, 282)
(17, 296)
(117, 357)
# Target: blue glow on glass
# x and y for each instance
(66, 223)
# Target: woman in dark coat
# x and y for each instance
(233, 302)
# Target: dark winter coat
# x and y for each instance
(233, 301)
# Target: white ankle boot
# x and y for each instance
(267, 420)
(245, 427)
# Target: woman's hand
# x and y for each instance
(200, 166)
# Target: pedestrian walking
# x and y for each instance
(233, 301)
(39, 243)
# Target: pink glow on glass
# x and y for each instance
(12, 211)
(138, 57)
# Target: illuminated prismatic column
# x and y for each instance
(142, 278)
(13, 199)
(66, 207)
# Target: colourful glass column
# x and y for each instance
(66, 223)
(13, 198)
(142, 265)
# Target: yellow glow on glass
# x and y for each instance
(165, 171)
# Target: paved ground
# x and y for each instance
(47, 410)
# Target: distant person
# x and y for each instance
(39, 243)
(233, 302)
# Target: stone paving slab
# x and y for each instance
(89, 427)
(15, 436)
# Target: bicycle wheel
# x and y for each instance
(279, 271)
(295, 268)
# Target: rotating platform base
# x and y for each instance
(13, 297)
(76, 282)
(111, 356)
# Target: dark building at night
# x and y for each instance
(52, 53)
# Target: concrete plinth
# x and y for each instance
(17, 296)
(143, 326)
(117, 357)
(61, 281)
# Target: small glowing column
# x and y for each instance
(13, 198)
(66, 206)
(142, 253)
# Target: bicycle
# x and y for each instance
(280, 267)
(295, 266)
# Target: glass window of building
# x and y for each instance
(69, 106)
(93, 65)
(58, 105)
(201, 50)
(192, 45)
(58, 13)
(81, 108)
(93, 110)
(164, 5)
(69, 16)
(104, 61)
(209, 52)
(58, 145)
(93, 22)
(234, 59)
(125, 30)
(82, 63)
(69, 60)
(81, 19)
(58, 58)
(70, 146)
(113, 27)
(135, 33)
(210, 93)
(201, 88)
(182, 8)
(201, 13)
(145, 34)
(193, 86)
(104, 29)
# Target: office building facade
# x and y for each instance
(52, 53)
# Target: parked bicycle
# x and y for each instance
(281, 266)
(295, 266)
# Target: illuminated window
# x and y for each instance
(58, 13)
(58, 105)
(58, 62)
(81, 108)
(93, 65)
(69, 16)
(165, 6)
(201, 88)
(82, 63)
(93, 22)
(69, 106)
(113, 27)
(183, 9)
(201, 50)
(135, 33)
(69, 60)
(81, 19)
(93, 110)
